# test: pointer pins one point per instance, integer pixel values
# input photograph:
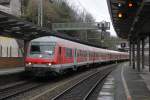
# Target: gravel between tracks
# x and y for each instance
(80, 90)
(50, 90)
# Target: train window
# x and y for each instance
(68, 52)
(35, 48)
(42, 49)
(85, 53)
(90, 54)
(81, 53)
(78, 53)
(45, 50)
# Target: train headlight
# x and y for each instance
(49, 64)
(29, 64)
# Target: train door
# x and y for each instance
(93, 57)
(75, 56)
(60, 55)
(88, 56)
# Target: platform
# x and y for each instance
(124, 83)
(6, 71)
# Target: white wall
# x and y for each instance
(6, 44)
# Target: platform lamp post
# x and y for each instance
(133, 54)
(130, 54)
(138, 54)
(143, 56)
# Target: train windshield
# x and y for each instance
(42, 50)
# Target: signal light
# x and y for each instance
(120, 15)
(119, 4)
(127, 9)
(130, 4)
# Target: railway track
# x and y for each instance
(16, 89)
(80, 87)
(84, 88)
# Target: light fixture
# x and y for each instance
(119, 4)
(130, 5)
(120, 15)
(29, 64)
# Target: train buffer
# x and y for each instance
(124, 83)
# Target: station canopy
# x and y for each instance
(131, 18)
(14, 27)
(11, 26)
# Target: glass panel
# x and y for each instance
(42, 50)
(68, 52)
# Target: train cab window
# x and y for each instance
(45, 50)
(68, 52)
(35, 48)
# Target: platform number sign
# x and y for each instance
(123, 45)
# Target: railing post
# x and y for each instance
(138, 54)
(133, 55)
(130, 53)
(143, 57)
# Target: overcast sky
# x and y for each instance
(98, 9)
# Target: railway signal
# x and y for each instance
(121, 8)
(130, 5)
(127, 9)
(121, 15)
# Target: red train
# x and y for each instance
(53, 54)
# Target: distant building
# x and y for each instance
(8, 46)
(11, 6)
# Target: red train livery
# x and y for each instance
(53, 54)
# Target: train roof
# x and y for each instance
(72, 44)
(64, 42)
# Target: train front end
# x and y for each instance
(40, 58)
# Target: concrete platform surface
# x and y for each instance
(129, 84)
(6, 71)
